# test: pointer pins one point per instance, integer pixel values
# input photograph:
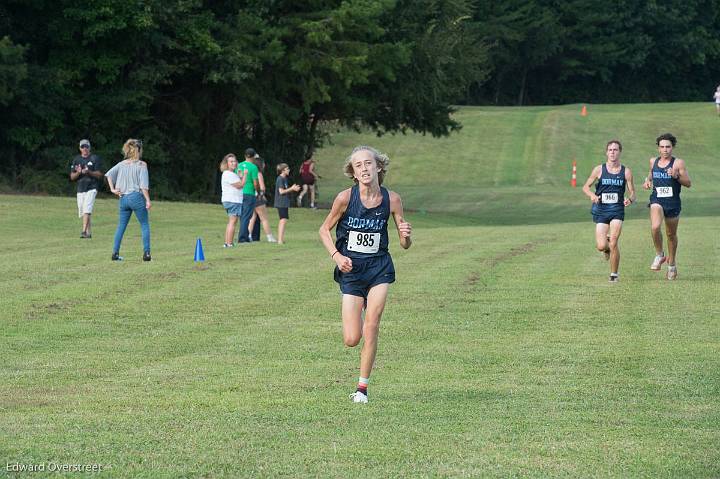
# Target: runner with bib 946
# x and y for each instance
(609, 202)
(364, 268)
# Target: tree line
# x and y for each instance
(196, 80)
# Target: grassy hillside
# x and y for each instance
(518, 160)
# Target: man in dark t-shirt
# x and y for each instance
(86, 169)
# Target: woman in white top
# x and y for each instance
(232, 196)
(717, 99)
(130, 181)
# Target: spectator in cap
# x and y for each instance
(249, 171)
(86, 170)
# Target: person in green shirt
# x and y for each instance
(250, 171)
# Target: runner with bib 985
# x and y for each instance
(666, 178)
(364, 268)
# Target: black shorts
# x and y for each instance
(606, 218)
(668, 211)
(365, 274)
(283, 213)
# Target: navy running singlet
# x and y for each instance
(666, 189)
(362, 232)
(611, 190)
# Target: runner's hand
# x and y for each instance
(405, 228)
(674, 172)
(343, 262)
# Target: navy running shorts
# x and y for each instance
(606, 218)
(669, 212)
(365, 274)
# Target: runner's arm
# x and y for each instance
(594, 175)
(682, 174)
(630, 184)
(648, 183)
(404, 228)
(339, 206)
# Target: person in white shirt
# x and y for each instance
(232, 195)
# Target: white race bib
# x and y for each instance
(364, 242)
(609, 198)
(664, 191)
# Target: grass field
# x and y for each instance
(503, 351)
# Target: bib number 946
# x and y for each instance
(609, 198)
(364, 242)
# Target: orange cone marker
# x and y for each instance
(583, 111)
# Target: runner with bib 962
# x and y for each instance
(666, 178)
(364, 268)
(609, 202)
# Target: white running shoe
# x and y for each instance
(358, 397)
(657, 262)
(299, 201)
(672, 273)
(614, 278)
(271, 239)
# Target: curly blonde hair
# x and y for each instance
(224, 163)
(381, 159)
(132, 149)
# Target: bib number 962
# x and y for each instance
(664, 191)
(364, 242)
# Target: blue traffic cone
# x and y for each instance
(199, 255)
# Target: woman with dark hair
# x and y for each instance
(129, 180)
(666, 178)
(260, 207)
(308, 177)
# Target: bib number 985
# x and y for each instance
(364, 242)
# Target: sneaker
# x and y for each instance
(84, 235)
(657, 262)
(299, 201)
(116, 257)
(672, 273)
(358, 397)
(614, 278)
(146, 256)
(228, 245)
(271, 239)
(312, 206)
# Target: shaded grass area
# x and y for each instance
(503, 352)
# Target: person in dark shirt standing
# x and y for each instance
(86, 169)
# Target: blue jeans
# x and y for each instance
(128, 203)
(248, 206)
